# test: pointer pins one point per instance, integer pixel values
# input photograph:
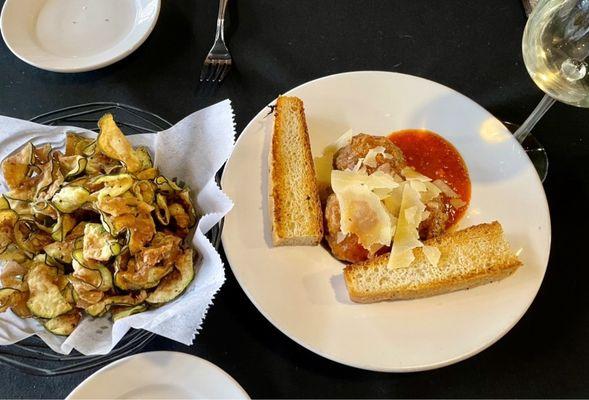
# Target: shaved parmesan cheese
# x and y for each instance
(363, 214)
(378, 180)
(411, 215)
(358, 165)
(370, 159)
(457, 203)
(324, 164)
(422, 184)
(419, 186)
(432, 254)
(412, 175)
(425, 215)
(406, 236)
(431, 192)
(393, 201)
(447, 190)
(344, 139)
(382, 193)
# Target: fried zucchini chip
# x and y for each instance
(100, 163)
(46, 299)
(162, 212)
(46, 215)
(177, 212)
(186, 201)
(57, 181)
(64, 324)
(91, 272)
(44, 178)
(99, 244)
(70, 198)
(149, 266)
(166, 186)
(112, 185)
(60, 251)
(42, 154)
(15, 168)
(144, 157)
(147, 174)
(28, 237)
(4, 204)
(124, 204)
(140, 229)
(119, 312)
(13, 276)
(6, 298)
(8, 219)
(84, 294)
(72, 166)
(173, 284)
(21, 207)
(19, 305)
(77, 145)
(77, 232)
(104, 305)
(67, 223)
(14, 253)
(112, 142)
(144, 191)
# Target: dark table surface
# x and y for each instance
(471, 46)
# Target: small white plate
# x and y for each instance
(76, 35)
(301, 289)
(159, 375)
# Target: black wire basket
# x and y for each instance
(32, 355)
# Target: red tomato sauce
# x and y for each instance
(435, 157)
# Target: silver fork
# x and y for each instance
(218, 62)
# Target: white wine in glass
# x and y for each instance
(555, 49)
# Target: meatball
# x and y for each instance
(347, 249)
(435, 224)
(347, 157)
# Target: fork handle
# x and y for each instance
(221, 20)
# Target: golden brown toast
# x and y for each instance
(295, 208)
(471, 257)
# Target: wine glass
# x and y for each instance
(555, 48)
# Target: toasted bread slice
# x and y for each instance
(470, 257)
(295, 208)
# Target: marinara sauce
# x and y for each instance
(435, 157)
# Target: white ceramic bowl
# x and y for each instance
(76, 35)
(159, 375)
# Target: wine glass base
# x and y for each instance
(535, 151)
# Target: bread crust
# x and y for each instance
(295, 207)
(481, 249)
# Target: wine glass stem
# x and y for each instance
(524, 130)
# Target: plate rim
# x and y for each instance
(407, 369)
(101, 63)
(115, 364)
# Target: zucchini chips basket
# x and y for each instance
(91, 230)
(93, 234)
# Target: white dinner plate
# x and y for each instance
(159, 375)
(76, 35)
(301, 289)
